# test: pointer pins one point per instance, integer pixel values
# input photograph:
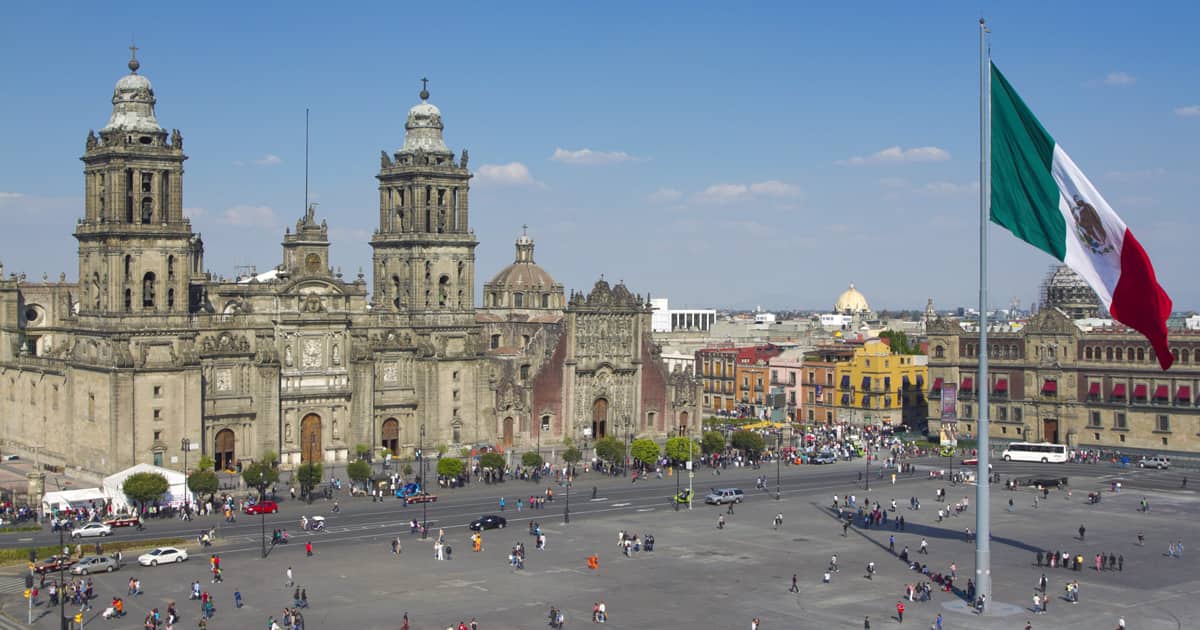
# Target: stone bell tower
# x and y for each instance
(137, 252)
(424, 249)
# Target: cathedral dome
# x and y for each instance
(424, 128)
(133, 104)
(524, 275)
(509, 287)
(851, 301)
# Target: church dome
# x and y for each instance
(523, 275)
(509, 287)
(133, 104)
(423, 129)
(851, 301)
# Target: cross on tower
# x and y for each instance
(133, 50)
(424, 84)
(524, 230)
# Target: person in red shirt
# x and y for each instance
(308, 548)
(900, 611)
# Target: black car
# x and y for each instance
(490, 521)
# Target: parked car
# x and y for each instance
(825, 458)
(121, 521)
(262, 507)
(1157, 461)
(162, 555)
(490, 521)
(971, 461)
(52, 564)
(420, 497)
(95, 564)
(92, 529)
(720, 496)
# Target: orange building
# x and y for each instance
(715, 369)
(818, 389)
(752, 378)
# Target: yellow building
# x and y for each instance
(877, 386)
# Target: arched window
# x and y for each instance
(147, 210)
(443, 291)
(170, 298)
(495, 341)
(545, 300)
(1108, 354)
(396, 291)
(1141, 354)
(1129, 353)
(148, 290)
(170, 267)
(1087, 353)
(519, 300)
(939, 352)
(1120, 354)
(128, 267)
(128, 300)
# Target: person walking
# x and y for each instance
(937, 623)
(867, 622)
(795, 588)
(924, 547)
(237, 598)
(290, 580)
(1082, 531)
(892, 544)
(900, 611)
(308, 549)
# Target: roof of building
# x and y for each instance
(133, 103)
(424, 128)
(755, 354)
(851, 301)
(523, 273)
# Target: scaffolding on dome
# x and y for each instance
(1069, 292)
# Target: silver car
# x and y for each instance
(95, 564)
(1158, 461)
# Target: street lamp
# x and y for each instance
(868, 458)
(185, 445)
(778, 463)
(628, 424)
(424, 504)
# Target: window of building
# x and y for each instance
(454, 394)
(545, 300)
(158, 414)
(457, 433)
(1002, 414)
(1017, 414)
(966, 410)
(524, 372)
(1119, 420)
(1094, 419)
(810, 414)
(91, 408)
(519, 300)
(148, 290)
(157, 436)
(811, 377)
(828, 416)
(1162, 422)
(495, 341)
(1122, 437)
(939, 352)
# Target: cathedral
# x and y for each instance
(149, 358)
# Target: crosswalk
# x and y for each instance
(9, 584)
(8, 624)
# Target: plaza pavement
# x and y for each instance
(700, 577)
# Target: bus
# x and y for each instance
(1044, 452)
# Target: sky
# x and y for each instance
(720, 154)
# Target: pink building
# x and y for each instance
(785, 373)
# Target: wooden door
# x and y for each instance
(391, 435)
(508, 432)
(683, 423)
(310, 439)
(599, 418)
(1050, 430)
(223, 449)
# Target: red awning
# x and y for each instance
(967, 384)
(1184, 392)
(1094, 389)
(1001, 385)
(937, 383)
(1050, 387)
(1119, 390)
(1160, 392)
(1139, 391)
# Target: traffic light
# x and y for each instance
(33, 555)
(28, 581)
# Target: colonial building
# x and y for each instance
(148, 354)
(863, 383)
(1053, 381)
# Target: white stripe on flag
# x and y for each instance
(1098, 261)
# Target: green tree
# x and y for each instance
(408, 470)
(572, 455)
(450, 467)
(610, 449)
(531, 459)
(712, 442)
(494, 461)
(442, 449)
(203, 482)
(748, 441)
(145, 487)
(899, 343)
(359, 471)
(205, 463)
(681, 449)
(309, 475)
(362, 451)
(260, 475)
(644, 450)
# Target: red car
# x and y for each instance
(53, 563)
(122, 521)
(262, 507)
(971, 461)
(420, 497)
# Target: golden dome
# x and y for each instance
(851, 301)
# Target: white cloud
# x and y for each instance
(1119, 79)
(665, 195)
(949, 188)
(1188, 111)
(250, 216)
(193, 213)
(893, 182)
(10, 195)
(269, 159)
(1135, 176)
(729, 193)
(898, 154)
(511, 174)
(588, 156)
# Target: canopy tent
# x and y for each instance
(177, 493)
(68, 499)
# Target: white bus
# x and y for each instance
(1044, 452)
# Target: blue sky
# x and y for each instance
(720, 154)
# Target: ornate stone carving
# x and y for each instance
(224, 380)
(389, 373)
(312, 354)
(312, 304)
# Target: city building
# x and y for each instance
(879, 387)
(752, 378)
(667, 319)
(819, 402)
(716, 370)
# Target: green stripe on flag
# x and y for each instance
(1024, 194)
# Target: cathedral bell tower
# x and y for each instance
(424, 249)
(137, 252)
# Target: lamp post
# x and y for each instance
(867, 456)
(778, 463)
(424, 504)
(628, 425)
(62, 600)
(185, 445)
(691, 468)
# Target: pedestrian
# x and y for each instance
(1010, 504)
(795, 588)
(754, 624)
(1179, 548)
(937, 623)
(867, 623)
(290, 581)
(1121, 562)
(1082, 531)
(237, 598)
(870, 570)
(1039, 558)
(924, 547)
(900, 611)
(308, 549)
(892, 544)
(1141, 539)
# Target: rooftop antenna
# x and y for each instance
(306, 159)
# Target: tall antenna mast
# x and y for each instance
(306, 159)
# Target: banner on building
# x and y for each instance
(949, 428)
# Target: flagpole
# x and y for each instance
(983, 552)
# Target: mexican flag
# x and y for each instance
(1041, 196)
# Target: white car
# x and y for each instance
(162, 555)
(92, 529)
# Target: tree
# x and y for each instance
(712, 442)
(748, 441)
(203, 482)
(362, 451)
(450, 467)
(309, 475)
(145, 487)
(359, 471)
(408, 470)
(206, 463)
(260, 476)
(531, 459)
(644, 450)
(898, 342)
(682, 449)
(572, 455)
(610, 449)
(494, 461)
(270, 458)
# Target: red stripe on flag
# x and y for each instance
(1138, 300)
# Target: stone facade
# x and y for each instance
(148, 350)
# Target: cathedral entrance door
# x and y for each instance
(683, 423)
(599, 418)
(310, 439)
(391, 435)
(508, 432)
(1050, 430)
(223, 449)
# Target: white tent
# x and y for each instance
(67, 499)
(177, 492)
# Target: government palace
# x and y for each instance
(149, 358)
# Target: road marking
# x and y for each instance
(645, 510)
(600, 499)
(622, 504)
(12, 585)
